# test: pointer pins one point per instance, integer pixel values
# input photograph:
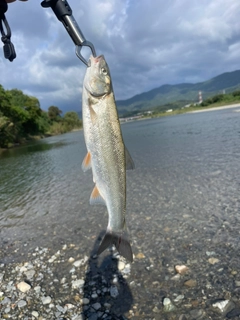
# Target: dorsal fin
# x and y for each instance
(129, 161)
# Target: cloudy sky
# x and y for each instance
(147, 43)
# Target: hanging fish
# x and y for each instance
(107, 154)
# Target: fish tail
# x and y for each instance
(121, 243)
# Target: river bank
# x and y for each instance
(228, 106)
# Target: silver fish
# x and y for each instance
(107, 154)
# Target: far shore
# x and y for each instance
(229, 106)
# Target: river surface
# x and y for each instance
(183, 201)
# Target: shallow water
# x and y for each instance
(182, 202)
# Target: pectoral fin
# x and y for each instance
(96, 197)
(86, 164)
(93, 114)
(129, 161)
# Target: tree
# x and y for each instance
(72, 119)
(54, 113)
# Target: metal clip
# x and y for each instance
(63, 12)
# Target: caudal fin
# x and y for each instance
(121, 243)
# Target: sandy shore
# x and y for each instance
(237, 105)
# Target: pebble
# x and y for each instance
(23, 286)
(21, 303)
(77, 283)
(197, 313)
(181, 269)
(221, 305)
(213, 260)
(121, 265)
(46, 300)
(190, 283)
(168, 305)
(77, 263)
(96, 306)
(114, 291)
(71, 259)
(140, 255)
(35, 314)
(85, 301)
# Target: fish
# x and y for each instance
(107, 155)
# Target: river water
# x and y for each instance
(183, 203)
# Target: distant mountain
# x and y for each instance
(187, 92)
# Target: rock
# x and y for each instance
(93, 316)
(181, 269)
(190, 283)
(29, 274)
(71, 259)
(21, 303)
(176, 277)
(197, 313)
(96, 306)
(85, 301)
(221, 305)
(179, 298)
(23, 286)
(213, 260)
(78, 263)
(156, 310)
(35, 314)
(168, 305)
(183, 317)
(140, 255)
(234, 313)
(237, 283)
(113, 291)
(78, 283)
(37, 289)
(121, 265)
(46, 300)
(94, 295)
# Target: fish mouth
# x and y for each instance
(95, 59)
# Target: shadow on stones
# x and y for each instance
(107, 291)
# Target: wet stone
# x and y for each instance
(168, 306)
(23, 286)
(114, 291)
(22, 303)
(234, 313)
(197, 314)
(190, 283)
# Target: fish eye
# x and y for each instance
(104, 71)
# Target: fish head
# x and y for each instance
(97, 80)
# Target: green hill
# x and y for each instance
(187, 92)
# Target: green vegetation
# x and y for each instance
(215, 101)
(22, 119)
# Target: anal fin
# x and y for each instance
(96, 197)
